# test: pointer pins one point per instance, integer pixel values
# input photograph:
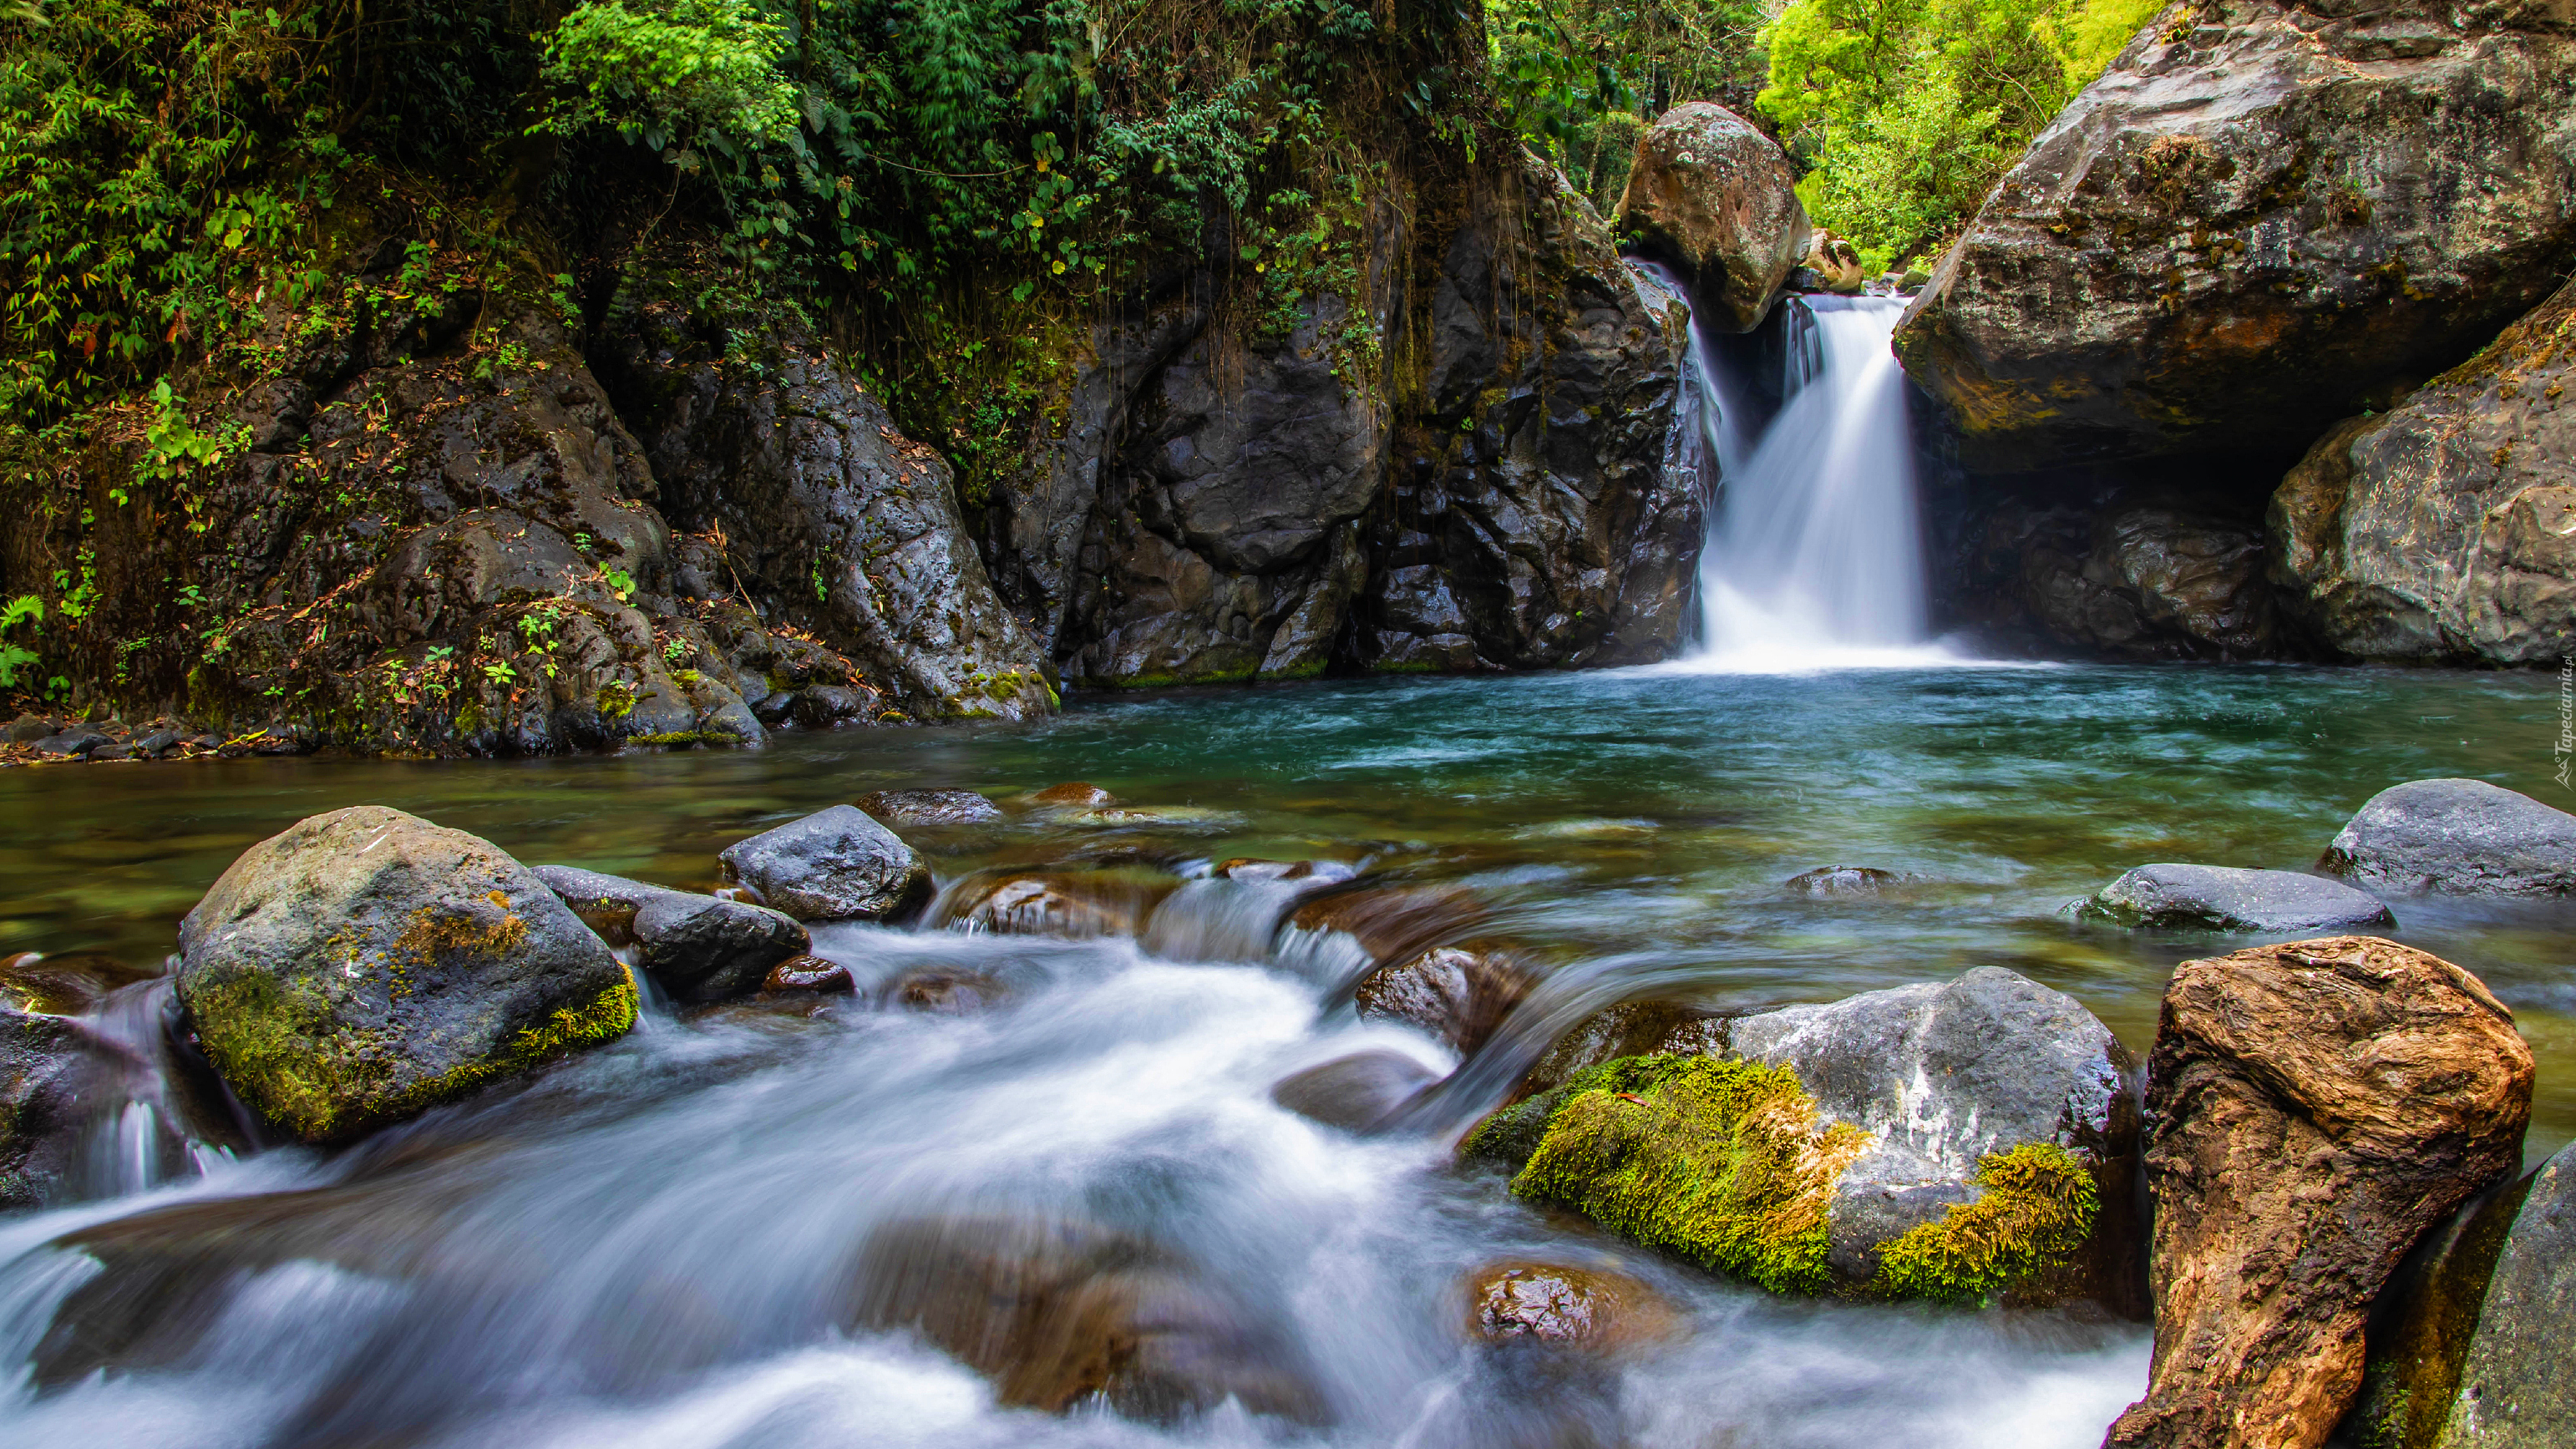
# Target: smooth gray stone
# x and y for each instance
(698, 948)
(2518, 1382)
(834, 865)
(2224, 898)
(2457, 837)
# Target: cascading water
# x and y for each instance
(1814, 556)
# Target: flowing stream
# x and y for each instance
(743, 1226)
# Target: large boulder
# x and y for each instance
(2139, 574)
(1960, 1142)
(2444, 529)
(364, 965)
(2264, 216)
(1716, 198)
(836, 864)
(2472, 1351)
(2458, 837)
(2223, 898)
(698, 948)
(2316, 1107)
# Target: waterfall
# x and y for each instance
(1814, 555)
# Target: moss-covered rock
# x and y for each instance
(366, 965)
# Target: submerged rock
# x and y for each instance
(1072, 795)
(66, 984)
(929, 807)
(1841, 881)
(1361, 1092)
(1073, 904)
(2223, 898)
(1587, 1308)
(2444, 529)
(1457, 995)
(364, 965)
(2457, 837)
(834, 865)
(2316, 1107)
(1062, 1314)
(698, 948)
(1957, 1142)
(2261, 218)
(1717, 199)
(946, 991)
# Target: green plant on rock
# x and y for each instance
(2035, 1208)
(1722, 1161)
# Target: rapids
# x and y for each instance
(666, 1243)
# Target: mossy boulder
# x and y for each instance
(365, 965)
(1961, 1142)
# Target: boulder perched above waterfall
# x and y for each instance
(2457, 837)
(2263, 217)
(366, 964)
(2223, 898)
(698, 948)
(2444, 529)
(2316, 1107)
(1954, 1141)
(1716, 198)
(834, 865)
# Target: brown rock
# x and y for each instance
(1576, 1307)
(1457, 995)
(2314, 1108)
(810, 974)
(1715, 197)
(1061, 1313)
(1392, 923)
(64, 985)
(1075, 904)
(929, 807)
(1074, 794)
(946, 991)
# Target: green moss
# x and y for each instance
(2035, 1210)
(604, 1018)
(616, 701)
(683, 738)
(1723, 1162)
(260, 1033)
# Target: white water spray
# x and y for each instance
(1814, 557)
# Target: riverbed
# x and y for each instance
(653, 1244)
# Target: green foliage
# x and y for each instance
(1907, 112)
(2035, 1210)
(1721, 1161)
(1577, 78)
(685, 72)
(28, 610)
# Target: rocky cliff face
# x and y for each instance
(442, 537)
(1457, 466)
(2445, 529)
(2265, 216)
